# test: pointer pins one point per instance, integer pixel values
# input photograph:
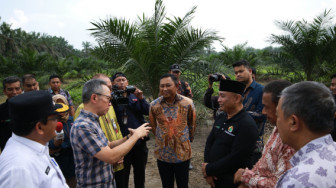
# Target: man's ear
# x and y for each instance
(295, 123)
(39, 128)
(94, 98)
(238, 98)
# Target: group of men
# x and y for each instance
(300, 152)
(98, 142)
(109, 137)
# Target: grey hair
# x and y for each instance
(312, 102)
(91, 87)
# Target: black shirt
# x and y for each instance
(134, 112)
(5, 131)
(230, 146)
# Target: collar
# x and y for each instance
(178, 98)
(90, 115)
(52, 91)
(253, 84)
(35, 146)
(237, 116)
(317, 143)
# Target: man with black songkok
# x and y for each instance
(232, 139)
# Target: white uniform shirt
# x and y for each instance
(26, 163)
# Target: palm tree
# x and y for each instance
(239, 52)
(144, 50)
(8, 44)
(311, 45)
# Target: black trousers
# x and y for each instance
(120, 179)
(170, 171)
(137, 158)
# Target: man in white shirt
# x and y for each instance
(25, 161)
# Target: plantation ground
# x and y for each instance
(196, 179)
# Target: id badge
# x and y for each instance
(125, 120)
(114, 124)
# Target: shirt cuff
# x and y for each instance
(209, 91)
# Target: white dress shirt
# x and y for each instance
(26, 163)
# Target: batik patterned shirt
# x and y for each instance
(272, 164)
(63, 92)
(314, 165)
(184, 89)
(173, 126)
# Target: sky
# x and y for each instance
(237, 21)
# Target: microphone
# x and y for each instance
(59, 131)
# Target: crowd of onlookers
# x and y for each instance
(46, 142)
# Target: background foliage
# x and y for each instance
(145, 49)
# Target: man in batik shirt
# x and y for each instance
(55, 83)
(305, 118)
(173, 121)
(275, 157)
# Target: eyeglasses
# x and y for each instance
(176, 72)
(107, 97)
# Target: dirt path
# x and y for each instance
(195, 176)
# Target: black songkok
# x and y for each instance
(232, 86)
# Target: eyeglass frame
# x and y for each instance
(109, 97)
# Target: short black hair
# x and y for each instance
(333, 76)
(9, 80)
(275, 88)
(55, 76)
(173, 77)
(27, 77)
(245, 63)
(116, 75)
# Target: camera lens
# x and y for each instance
(213, 78)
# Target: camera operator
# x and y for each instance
(212, 101)
(130, 115)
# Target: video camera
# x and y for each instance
(215, 77)
(117, 94)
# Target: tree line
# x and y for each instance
(145, 49)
